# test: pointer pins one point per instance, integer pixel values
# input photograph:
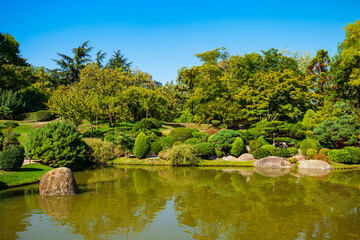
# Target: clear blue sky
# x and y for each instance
(159, 37)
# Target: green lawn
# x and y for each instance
(220, 162)
(336, 165)
(27, 174)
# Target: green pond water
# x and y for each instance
(189, 203)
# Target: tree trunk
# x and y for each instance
(110, 118)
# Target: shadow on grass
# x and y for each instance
(30, 169)
(3, 185)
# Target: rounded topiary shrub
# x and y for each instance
(192, 141)
(181, 134)
(57, 145)
(144, 124)
(44, 115)
(340, 156)
(155, 147)
(271, 148)
(204, 149)
(142, 146)
(309, 144)
(282, 152)
(223, 139)
(293, 151)
(11, 158)
(237, 147)
(324, 151)
(354, 152)
(167, 142)
(201, 136)
(311, 152)
(254, 145)
(183, 155)
(218, 153)
(261, 153)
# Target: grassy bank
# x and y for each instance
(26, 175)
(344, 166)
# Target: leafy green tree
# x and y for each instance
(118, 60)
(9, 51)
(71, 66)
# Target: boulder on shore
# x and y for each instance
(246, 157)
(273, 162)
(59, 181)
(230, 158)
(315, 164)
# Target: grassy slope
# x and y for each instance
(27, 174)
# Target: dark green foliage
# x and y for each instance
(340, 156)
(155, 147)
(10, 139)
(167, 142)
(110, 138)
(43, 116)
(5, 112)
(324, 151)
(156, 122)
(181, 134)
(254, 144)
(311, 152)
(33, 100)
(223, 139)
(218, 153)
(11, 99)
(271, 148)
(11, 124)
(12, 158)
(192, 141)
(57, 145)
(251, 134)
(237, 147)
(183, 155)
(282, 152)
(309, 144)
(204, 149)
(354, 152)
(142, 146)
(261, 153)
(144, 124)
(124, 141)
(293, 151)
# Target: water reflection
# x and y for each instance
(227, 203)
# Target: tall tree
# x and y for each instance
(100, 58)
(118, 60)
(71, 66)
(319, 69)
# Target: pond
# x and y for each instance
(189, 203)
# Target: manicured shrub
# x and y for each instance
(204, 149)
(167, 142)
(110, 138)
(237, 147)
(11, 124)
(125, 142)
(181, 134)
(44, 115)
(309, 144)
(57, 145)
(218, 153)
(282, 152)
(155, 147)
(340, 156)
(320, 156)
(201, 136)
(293, 151)
(164, 154)
(354, 152)
(310, 134)
(11, 158)
(192, 141)
(144, 124)
(156, 122)
(261, 153)
(263, 141)
(11, 139)
(311, 152)
(99, 152)
(271, 148)
(251, 134)
(177, 143)
(142, 146)
(254, 145)
(223, 139)
(183, 155)
(324, 151)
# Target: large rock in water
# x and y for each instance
(315, 164)
(59, 181)
(273, 162)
